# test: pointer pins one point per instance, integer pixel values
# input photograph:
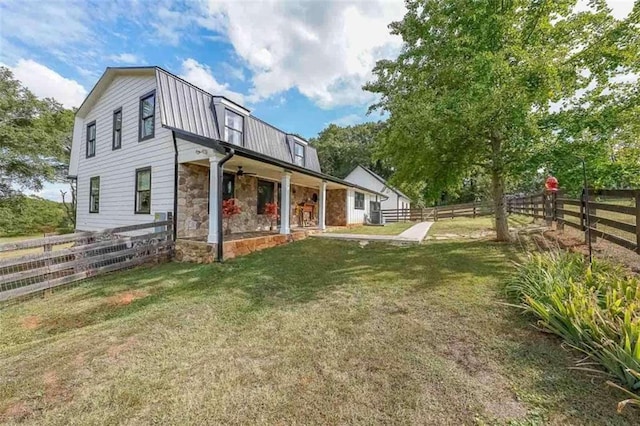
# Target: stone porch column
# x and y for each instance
(214, 210)
(322, 210)
(285, 209)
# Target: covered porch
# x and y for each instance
(306, 204)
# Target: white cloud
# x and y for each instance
(347, 120)
(46, 83)
(201, 75)
(125, 58)
(45, 23)
(325, 50)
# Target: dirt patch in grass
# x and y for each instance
(126, 297)
(31, 322)
(16, 412)
(54, 391)
(115, 351)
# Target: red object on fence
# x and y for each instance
(551, 185)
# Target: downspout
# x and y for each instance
(227, 157)
(175, 188)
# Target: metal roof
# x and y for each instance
(184, 106)
(266, 139)
(311, 159)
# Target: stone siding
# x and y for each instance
(246, 194)
(192, 217)
(336, 207)
(193, 204)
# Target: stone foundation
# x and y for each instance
(203, 252)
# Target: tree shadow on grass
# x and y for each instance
(295, 273)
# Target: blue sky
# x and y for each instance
(299, 65)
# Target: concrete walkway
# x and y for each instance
(413, 235)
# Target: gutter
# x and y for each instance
(175, 188)
(219, 248)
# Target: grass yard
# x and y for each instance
(314, 332)
(388, 229)
(3, 240)
(463, 225)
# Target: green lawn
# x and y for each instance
(313, 332)
(388, 229)
(464, 226)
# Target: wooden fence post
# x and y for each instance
(636, 195)
(558, 215)
(583, 226)
(592, 212)
(474, 210)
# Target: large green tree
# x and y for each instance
(341, 149)
(33, 136)
(475, 80)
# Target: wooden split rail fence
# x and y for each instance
(436, 213)
(610, 214)
(35, 265)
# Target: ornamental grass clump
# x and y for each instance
(595, 309)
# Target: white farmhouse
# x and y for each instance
(148, 143)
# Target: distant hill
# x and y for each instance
(27, 215)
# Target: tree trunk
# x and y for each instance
(497, 186)
(502, 226)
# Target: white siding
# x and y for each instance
(361, 177)
(117, 168)
(356, 216)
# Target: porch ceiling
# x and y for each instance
(270, 172)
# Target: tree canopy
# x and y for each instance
(33, 136)
(341, 149)
(473, 86)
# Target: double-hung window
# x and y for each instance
(233, 127)
(143, 191)
(94, 194)
(147, 116)
(116, 143)
(91, 139)
(359, 201)
(298, 154)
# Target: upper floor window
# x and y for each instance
(298, 154)
(147, 116)
(94, 194)
(143, 190)
(359, 201)
(233, 127)
(117, 129)
(91, 139)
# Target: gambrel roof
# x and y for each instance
(186, 108)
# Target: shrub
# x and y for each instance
(22, 215)
(595, 309)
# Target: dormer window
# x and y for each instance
(298, 154)
(233, 127)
